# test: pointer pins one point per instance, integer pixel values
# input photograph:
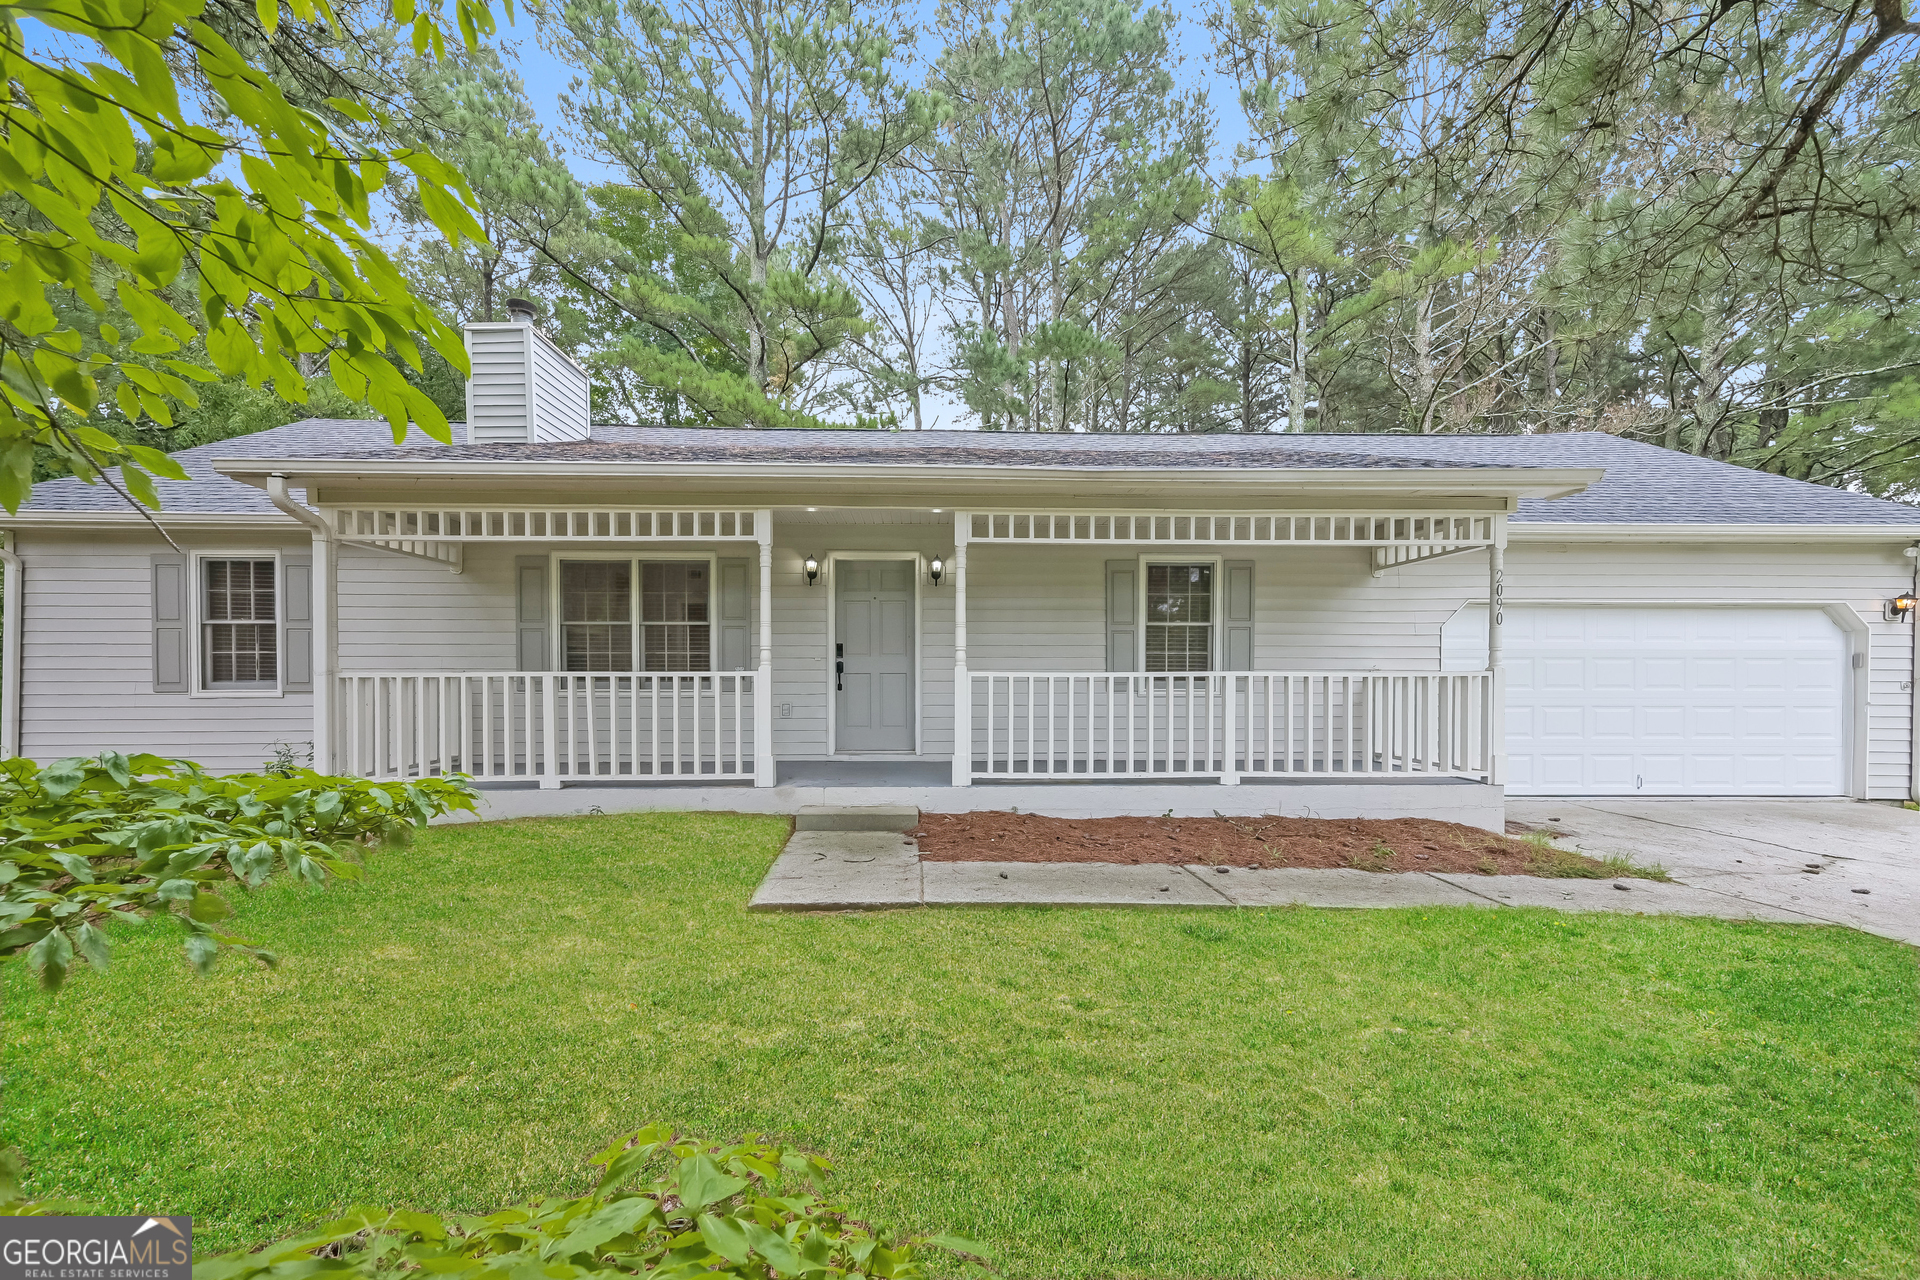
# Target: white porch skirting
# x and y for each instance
(1476, 804)
(546, 727)
(1231, 725)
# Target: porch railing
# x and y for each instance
(546, 727)
(1042, 725)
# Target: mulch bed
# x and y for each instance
(1397, 844)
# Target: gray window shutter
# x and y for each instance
(170, 623)
(1237, 612)
(530, 595)
(1123, 615)
(736, 617)
(296, 623)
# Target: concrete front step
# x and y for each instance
(874, 817)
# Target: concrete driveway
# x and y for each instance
(1810, 857)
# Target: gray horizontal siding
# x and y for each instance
(562, 395)
(497, 387)
(87, 646)
(87, 663)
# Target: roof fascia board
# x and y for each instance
(1552, 531)
(1503, 482)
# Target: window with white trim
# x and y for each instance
(668, 627)
(596, 614)
(676, 627)
(1179, 617)
(239, 624)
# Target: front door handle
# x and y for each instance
(839, 669)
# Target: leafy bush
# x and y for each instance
(87, 841)
(665, 1208)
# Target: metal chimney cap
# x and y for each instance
(520, 309)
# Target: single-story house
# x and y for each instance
(1336, 624)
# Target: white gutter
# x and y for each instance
(1913, 688)
(276, 487)
(1702, 531)
(12, 625)
(323, 611)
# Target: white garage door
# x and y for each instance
(1667, 700)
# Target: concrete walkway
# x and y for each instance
(860, 870)
(1761, 871)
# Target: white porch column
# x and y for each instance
(1496, 670)
(962, 687)
(764, 768)
(325, 649)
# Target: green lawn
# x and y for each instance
(1455, 1092)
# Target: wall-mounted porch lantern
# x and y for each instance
(1900, 606)
(937, 570)
(811, 567)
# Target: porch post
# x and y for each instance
(962, 686)
(764, 769)
(1496, 671)
(325, 593)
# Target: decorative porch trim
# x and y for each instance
(1385, 558)
(558, 524)
(1427, 530)
(447, 555)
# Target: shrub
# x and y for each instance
(83, 842)
(664, 1208)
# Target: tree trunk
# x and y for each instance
(1426, 381)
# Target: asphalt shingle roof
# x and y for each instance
(1643, 483)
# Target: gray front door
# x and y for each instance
(873, 656)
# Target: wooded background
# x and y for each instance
(1690, 224)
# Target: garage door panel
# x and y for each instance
(1665, 675)
(1764, 771)
(1713, 673)
(1561, 723)
(1613, 723)
(1561, 770)
(1562, 673)
(1716, 724)
(1611, 673)
(1714, 772)
(1676, 701)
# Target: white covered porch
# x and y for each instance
(1048, 726)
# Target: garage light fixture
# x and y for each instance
(811, 567)
(1900, 606)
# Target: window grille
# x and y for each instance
(676, 630)
(1179, 617)
(596, 614)
(240, 624)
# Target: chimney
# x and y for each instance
(522, 388)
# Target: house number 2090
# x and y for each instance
(1499, 597)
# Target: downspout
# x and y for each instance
(323, 569)
(1913, 688)
(12, 624)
